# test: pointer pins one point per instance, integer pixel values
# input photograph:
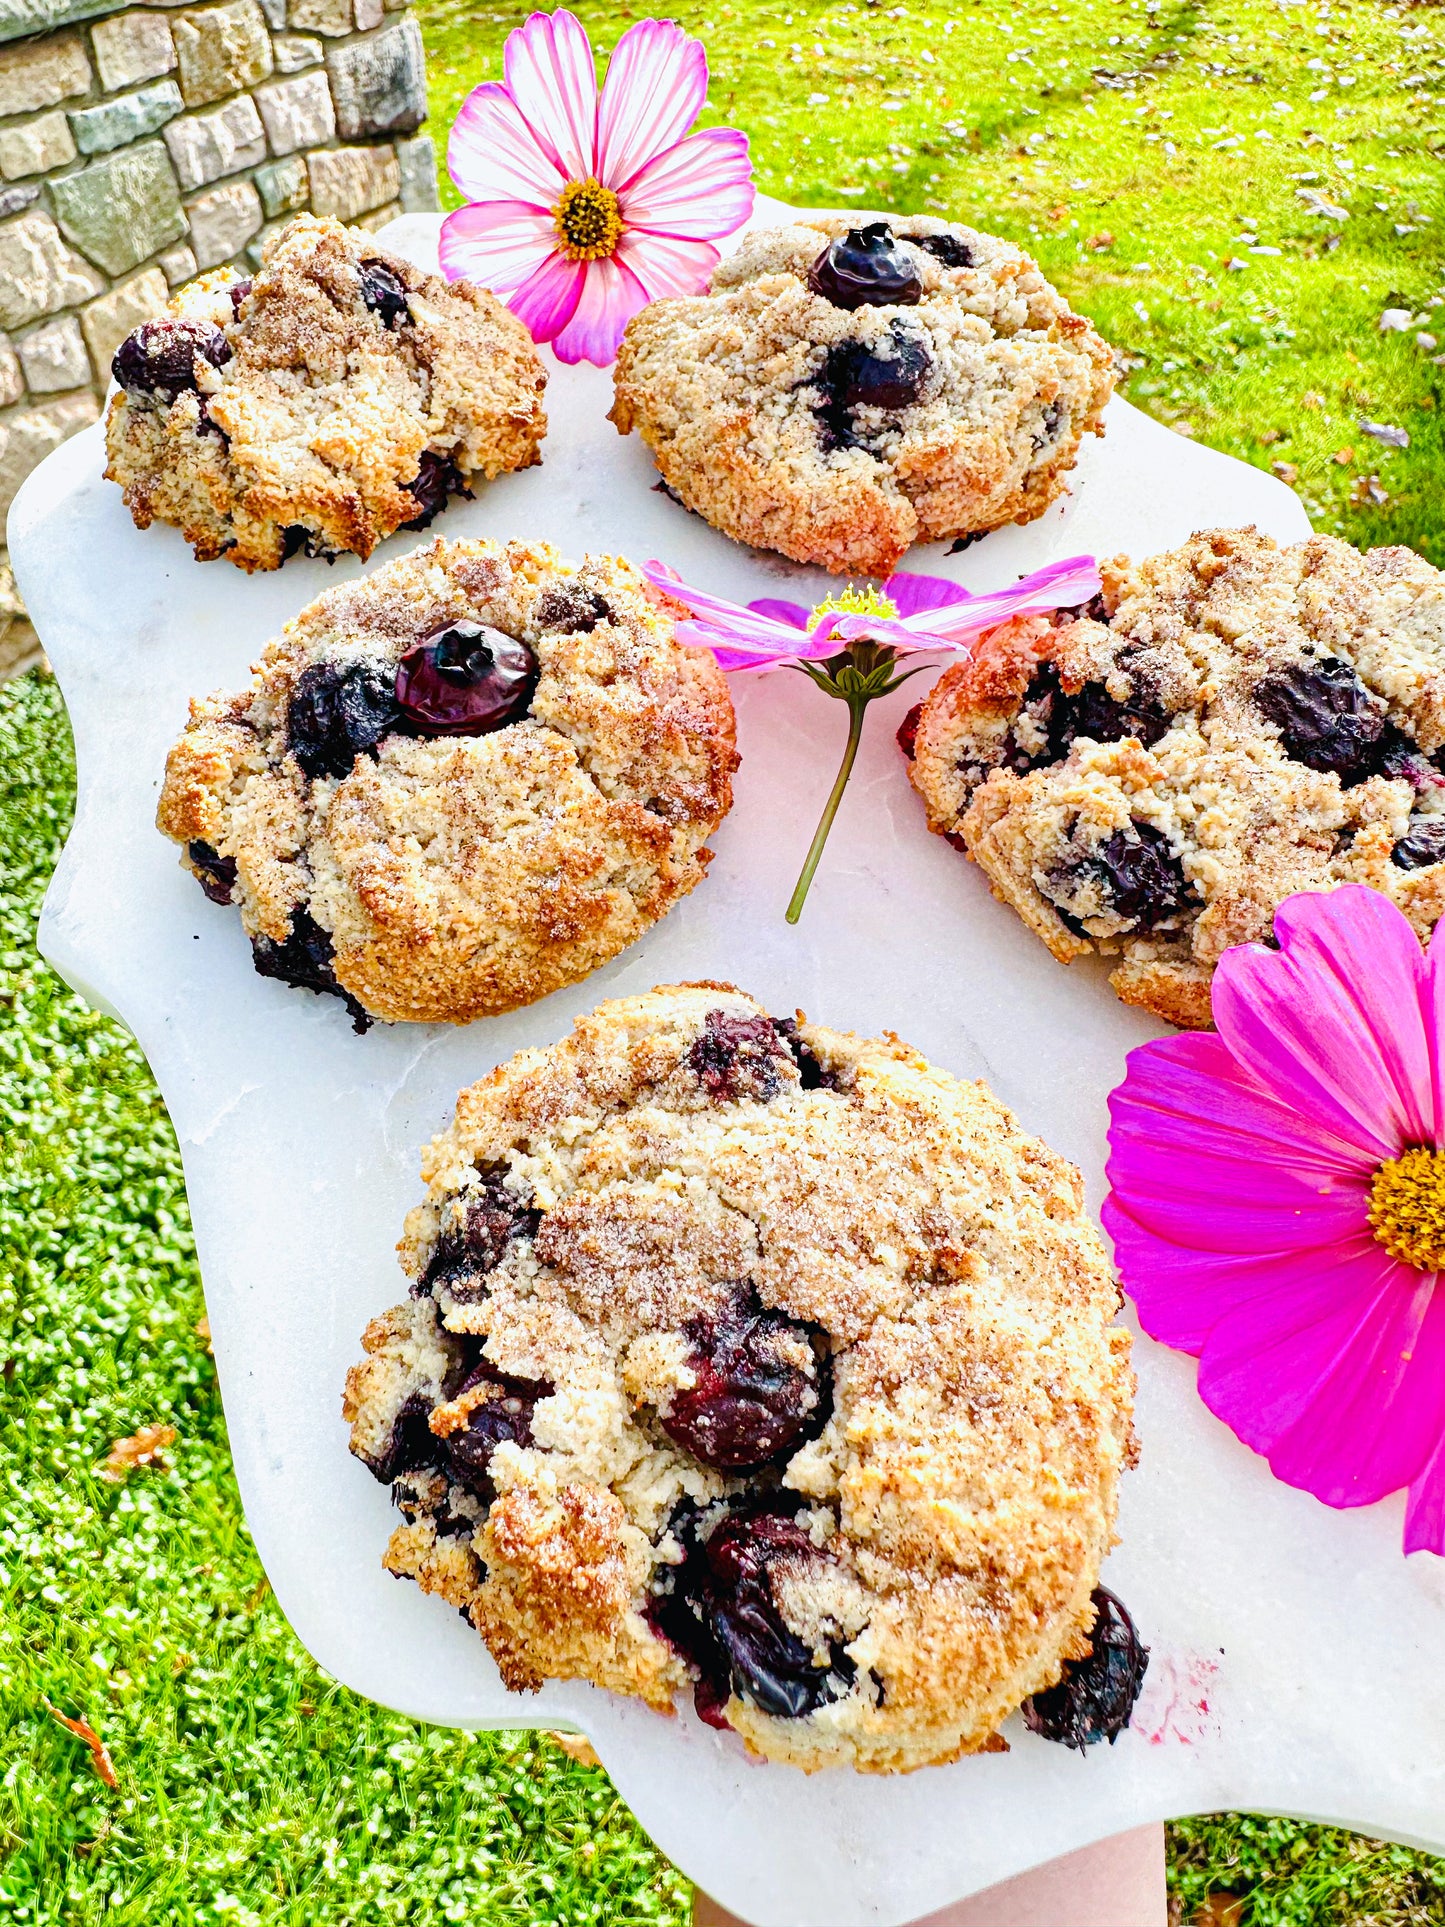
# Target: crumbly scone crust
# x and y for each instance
(1193, 634)
(325, 412)
(723, 388)
(462, 876)
(965, 1486)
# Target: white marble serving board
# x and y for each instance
(1296, 1654)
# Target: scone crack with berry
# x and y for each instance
(768, 1364)
(338, 395)
(458, 783)
(844, 391)
(1230, 722)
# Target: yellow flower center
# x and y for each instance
(1407, 1207)
(853, 602)
(587, 220)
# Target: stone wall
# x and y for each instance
(141, 144)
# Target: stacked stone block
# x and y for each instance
(142, 143)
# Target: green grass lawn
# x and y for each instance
(1138, 150)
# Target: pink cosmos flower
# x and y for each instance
(908, 612)
(585, 208)
(1278, 1202)
(849, 644)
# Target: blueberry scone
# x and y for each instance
(337, 396)
(458, 783)
(1231, 722)
(756, 1359)
(843, 392)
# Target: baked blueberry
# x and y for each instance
(408, 1447)
(158, 360)
(218, 873)
(856, 376)
(297, 539)
(1422, 844)
(1054, 418)
(947, 248)
(722, 1615)
(337, 712)
(811, 1074)
(437, 478)
(572, 609)
(1063, 716)
(1095, 1698)
(1144, 878)
(1327, 718)
(465, 679)
(758, 1390)
(738, 1057)
(866, 268)
(383, 293)
(500, 1411)
(304, 960)
(473, 1239)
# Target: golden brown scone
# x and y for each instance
(840, 436)
(338, 396)
(1233, 721)
(437, 876)
(759, 1357)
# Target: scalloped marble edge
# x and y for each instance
(275, 1167)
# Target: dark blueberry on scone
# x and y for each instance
(316, 407)
(759, 1385)
(843, 391)
(759, 1364)
(1095, 1698)
(1232, 722)
(459, 783)
(437, 479)
(866, 268)
(724, 1611)
(159, 359)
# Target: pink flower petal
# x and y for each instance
(1339, 1379)
(1432, 1004)
(1332, 1021)
(655, 89)
(553, 79)
(915, 595)
(700, 189)
(794, 614)
(492, 154)
(1059, 585)
(1181, 1295)
(496, 243)
(665, 265)
(1425, 1513)
(741, 623)
(548, 299)
(611, 296)
(1196, 1077)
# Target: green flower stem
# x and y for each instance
(857, 707)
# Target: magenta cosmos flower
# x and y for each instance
(584, 207)
(1278, 1202)
(849, 644)
(908, 612)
